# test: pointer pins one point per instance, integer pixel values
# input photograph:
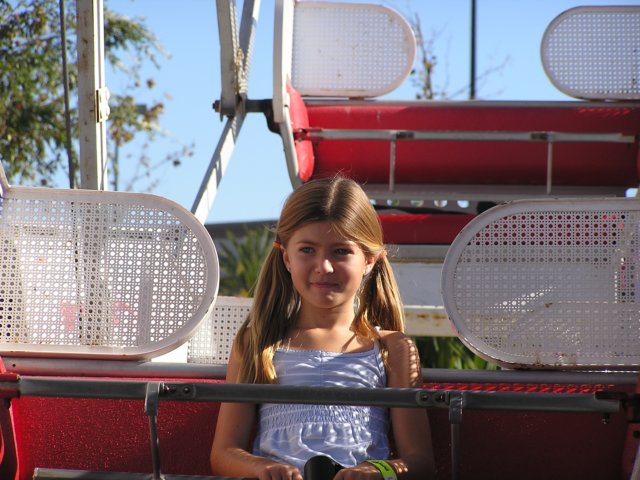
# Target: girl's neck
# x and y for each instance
(327, 331)
(329, 319)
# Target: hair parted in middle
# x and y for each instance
(344, 204)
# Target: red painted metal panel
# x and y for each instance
(422, 229)
(476, 162)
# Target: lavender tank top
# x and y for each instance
(348, 434)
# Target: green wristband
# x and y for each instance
(388, 473)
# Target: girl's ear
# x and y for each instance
(369, 263)
(285, 258)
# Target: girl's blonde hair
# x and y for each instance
(342, 202)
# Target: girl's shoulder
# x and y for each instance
(392, 336)
(395, 341)
(403, 359)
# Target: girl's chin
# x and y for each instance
(328, 301)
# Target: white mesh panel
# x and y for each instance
(213, 340)
(349, 50)
(100, 273)
(594, 52)
(550, 284)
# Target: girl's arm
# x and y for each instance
(413, 457)
(230, 452)
(411, 431)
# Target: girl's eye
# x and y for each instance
(306, 249)
(343, 251)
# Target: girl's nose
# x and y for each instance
(324, 266)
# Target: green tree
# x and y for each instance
(448, 352)
(423, 76)
(241, 259)
(32, 113)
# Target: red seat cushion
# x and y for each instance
(111, 435)
(419, 229)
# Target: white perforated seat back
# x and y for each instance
(548, 283)
(349, 49)
(86, 273)
(594, 52)
(214, 338)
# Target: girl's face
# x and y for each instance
(326, 269)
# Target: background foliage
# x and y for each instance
(241, 259)
(32, 118)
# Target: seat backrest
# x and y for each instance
(349, 49)
(549, 284)
(213, 340)
(100, 274)
(332, 49)
(592, 52)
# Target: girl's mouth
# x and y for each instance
(324, 284)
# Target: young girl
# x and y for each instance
(326, 312)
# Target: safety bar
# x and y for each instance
(474, 136)
(461, 136)
(249, 393)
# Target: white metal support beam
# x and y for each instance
(93, 108)
(217, 167)
(230, 64)
(235, 53)
(248, 26)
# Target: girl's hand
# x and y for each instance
(362, 471)
(280, 471)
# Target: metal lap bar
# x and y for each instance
(151, 400)
(456, 404)
(472, 136)
(249, 393)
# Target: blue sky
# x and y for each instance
(256, 182)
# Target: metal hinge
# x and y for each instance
(102, 104)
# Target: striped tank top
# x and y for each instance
(348, 434)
